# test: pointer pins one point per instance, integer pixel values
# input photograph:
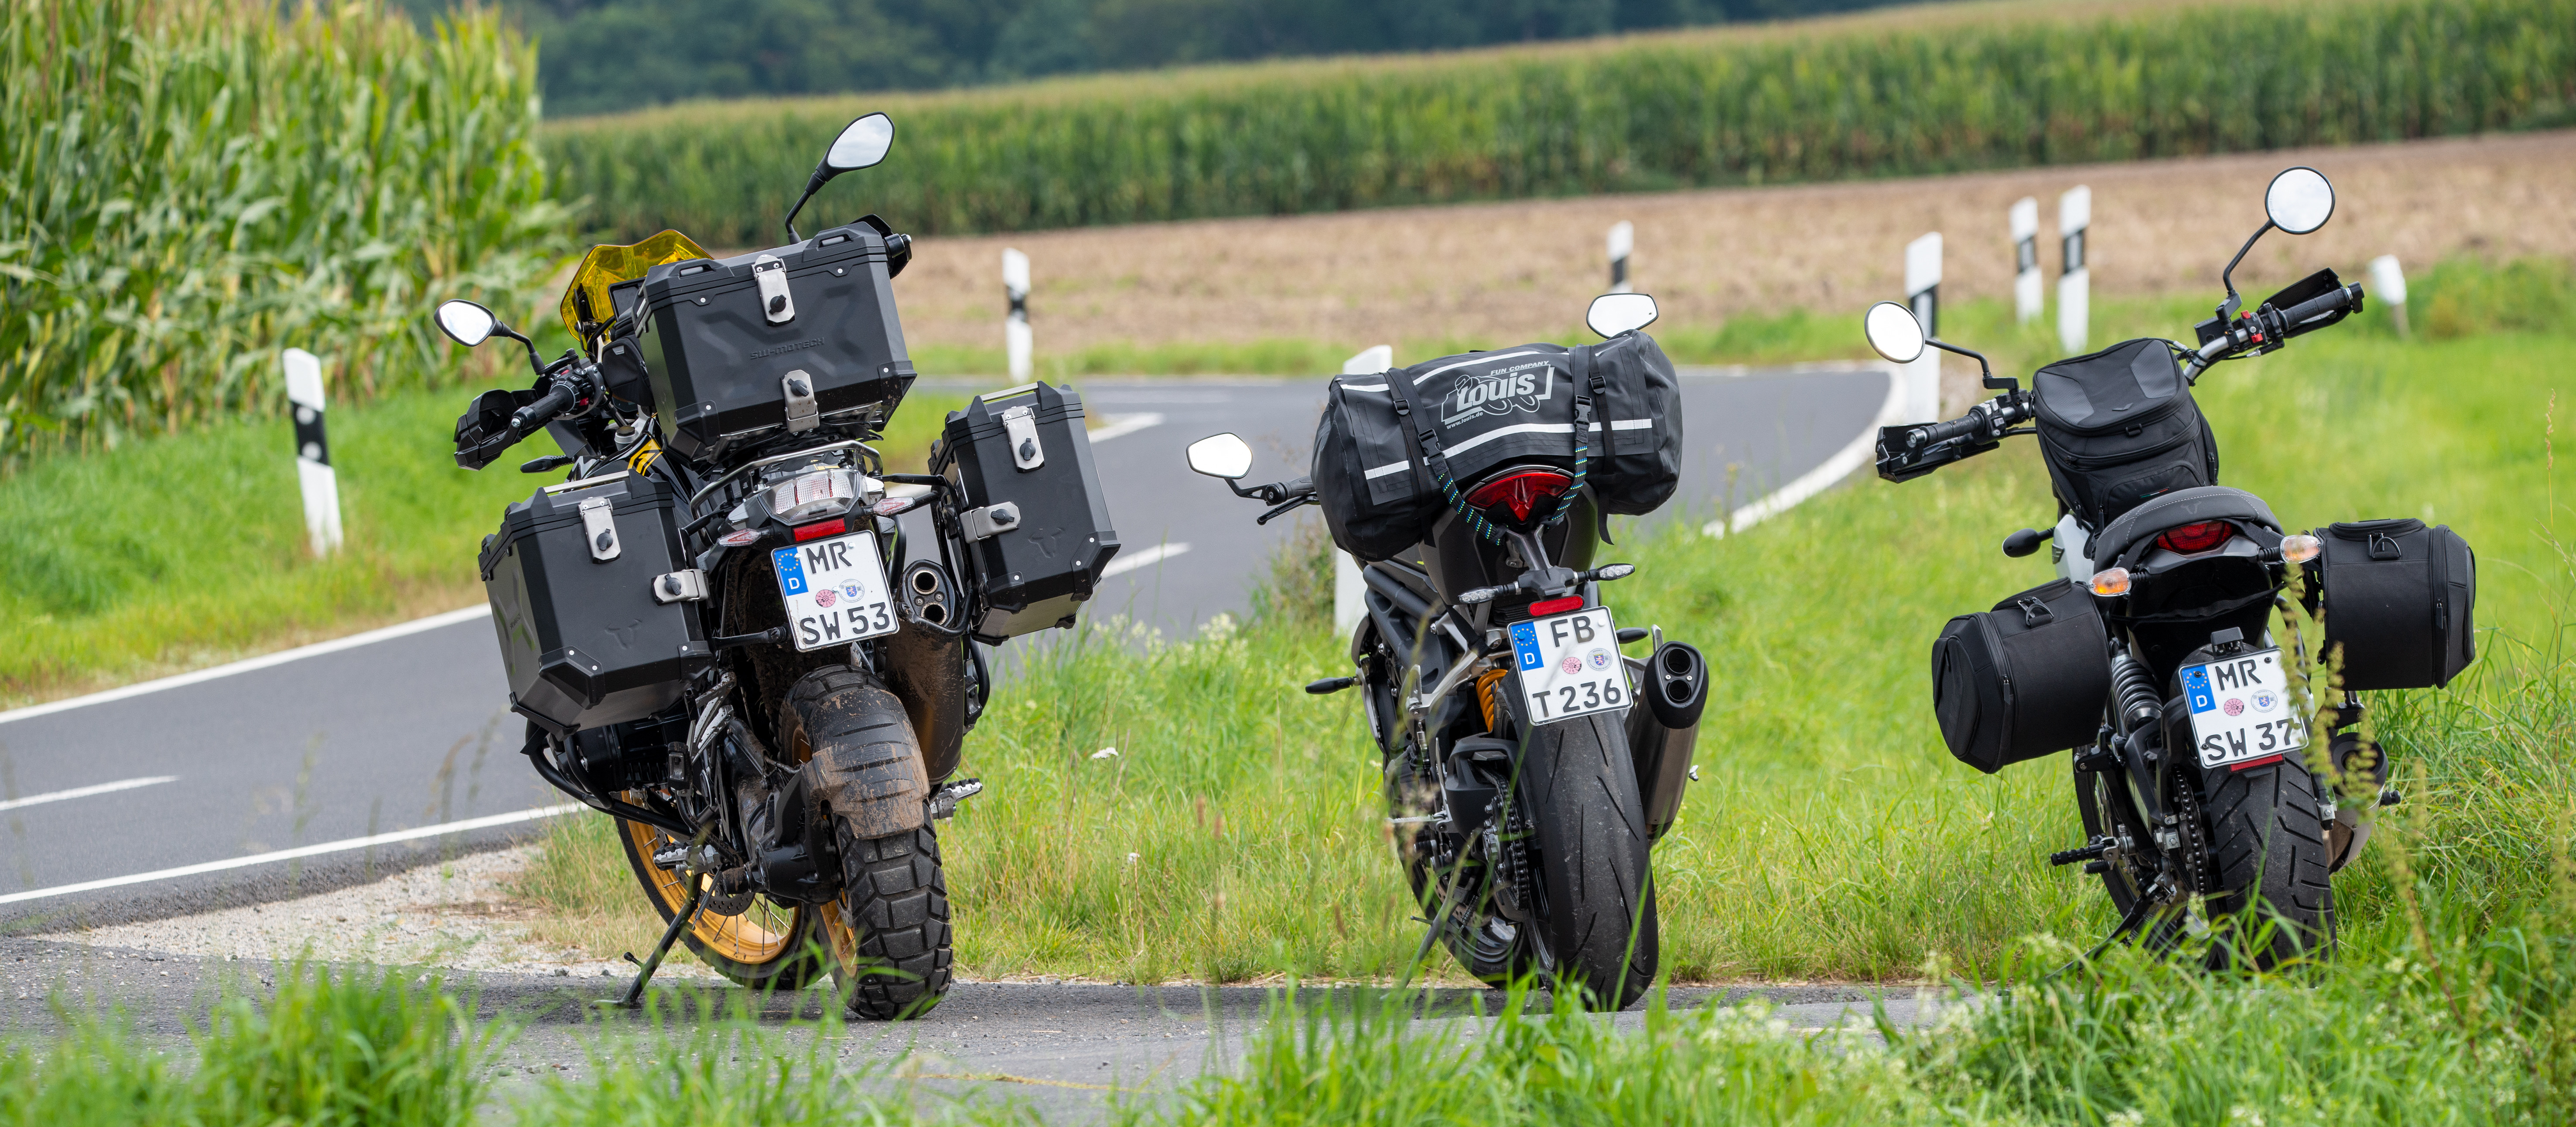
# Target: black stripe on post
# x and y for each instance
(309, 443)
(2073, 249)
(2026, 255)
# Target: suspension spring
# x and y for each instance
(2135, 689)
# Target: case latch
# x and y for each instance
(802, 414)
(990, 521)
(599, 526)
(680, 586)
(1021, 425)
(775, 302)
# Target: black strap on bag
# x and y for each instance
(1427, 441)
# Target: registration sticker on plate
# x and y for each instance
(835, 591)
(2240, 709)
(1569, 665)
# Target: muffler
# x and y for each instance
(1674, 686)
(926, 667)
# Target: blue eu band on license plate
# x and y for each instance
(1569, 666)
(835, 591)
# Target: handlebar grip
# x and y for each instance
(2323, 304)
(1934, 434)
(543, 411)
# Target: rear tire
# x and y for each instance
(891, 939)
(2268, 849)
(1596, 930)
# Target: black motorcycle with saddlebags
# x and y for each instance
(719, 630)
(2204, 794)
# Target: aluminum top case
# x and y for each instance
(572, 576)
(1037, 531)
(784, 339)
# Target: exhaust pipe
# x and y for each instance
(1662, 734)
(926, 586)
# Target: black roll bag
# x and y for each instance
(1036, 527)
(2119, 426)
(2026, 679)
(2399, 600)
(1388, 442)
(573, 575)
(782, 339)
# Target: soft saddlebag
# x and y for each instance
(1388, 443)
(785, 339)
(2026, 679)
(2399, 600)
(1037, 531)
(2118, 427)
(573, 576)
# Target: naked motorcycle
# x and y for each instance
(1524, 788)
(2201, 788)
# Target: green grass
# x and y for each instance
(181, 551)
(1901, 93)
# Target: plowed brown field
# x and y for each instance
(1507, 270)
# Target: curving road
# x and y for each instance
(331, 765)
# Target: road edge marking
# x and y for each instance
(248, 665)
(1859, 452)
(486, 822)
(1144, 559)
(1120, 426)
(87, 791)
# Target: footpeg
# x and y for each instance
(944, 800)
(2087, 853)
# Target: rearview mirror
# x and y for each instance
(862, 144)
(466, 323)
(1615, 313)
(2299, 200)
(1893, 332)
(1221, 455)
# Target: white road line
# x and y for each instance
(1861, 452)
(303, 851)
(1121, 426)
(1147, 558)
(85, 792)
(281, 657)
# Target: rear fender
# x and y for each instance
(866, 765)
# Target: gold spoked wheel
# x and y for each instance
(749, 938)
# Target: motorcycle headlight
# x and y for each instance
(813, 496)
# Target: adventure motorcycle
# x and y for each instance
(1523, 788)
(2152, 655)
(717, 628)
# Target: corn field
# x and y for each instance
(1893, 98)
(192, 185)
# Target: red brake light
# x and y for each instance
(832, 527)
(2191, 538)
(1520, 492)
(1556, 606)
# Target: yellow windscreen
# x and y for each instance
(606, 266)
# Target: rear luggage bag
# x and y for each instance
(1037, 530)
(2399, 600)
(2118, 427)
(1391, 447)
(2026, 679)
(571, 576)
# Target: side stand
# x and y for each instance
(635, 994)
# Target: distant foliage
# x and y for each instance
(1881, 100)
(187, 186)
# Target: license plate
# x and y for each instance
(835, 591)
(1569, 665)
(2240, 709)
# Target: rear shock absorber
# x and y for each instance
(2135, 689)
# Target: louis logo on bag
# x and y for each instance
(1521, 387)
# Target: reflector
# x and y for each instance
(1556, 606)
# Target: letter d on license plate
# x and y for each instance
(1569, 666)
(2240, 709)
(835, 591)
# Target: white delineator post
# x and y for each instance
(1623, 241)
(2388, 288)
(313, 452)
(2075, 285)
(2026, 283)
(1923, 296)
(1015, 326)
(1348, 587)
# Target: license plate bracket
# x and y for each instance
(1568, 666)
(2240, 709)
(835, 590)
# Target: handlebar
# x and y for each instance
(1965, 426)
(2319, 306)
(557, 397)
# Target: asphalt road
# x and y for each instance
(411, 733)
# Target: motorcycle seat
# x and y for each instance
(2180, 507)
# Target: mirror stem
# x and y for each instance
(1985, 371)
(811, 186)
(2227, 277)
(535, 362)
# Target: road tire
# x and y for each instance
(1596, 930)
(891, 941)
(2268, 852)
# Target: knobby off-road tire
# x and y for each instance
(2268, 855)
(1596, 927)
(889, 932)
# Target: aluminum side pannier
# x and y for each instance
(1391, 446)
(1037, 530)
(572, 575)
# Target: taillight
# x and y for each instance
(822, 493)
(2191, 538)
(833, 527)
(1556, 606)
(1520, 492)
